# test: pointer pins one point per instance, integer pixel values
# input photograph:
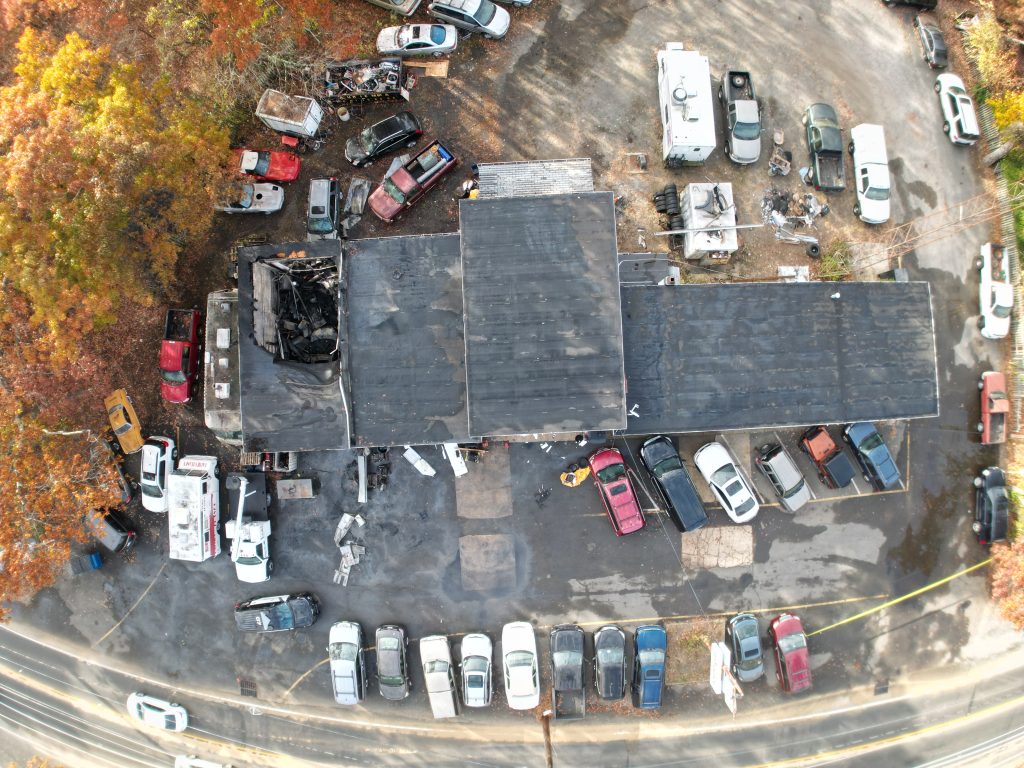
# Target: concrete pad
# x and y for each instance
(727, 546)
(487, 562)
(486, 492)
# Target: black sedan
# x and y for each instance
(933, 44)
(610, 662)
(401, 130)
(669, 473)
(991, 506)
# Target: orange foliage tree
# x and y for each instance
(51, 482)
(105, 177)
(1007, 580)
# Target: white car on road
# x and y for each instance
(995, 292)
(477, 682)
(417, 40)
(157, 713)
(519, 657)
(731, 490)
(158, 455)
(348, 664)
(871, 173)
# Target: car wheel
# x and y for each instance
(976, 527)
(720, 94)
(981, 322)
(856, 210)
(981, 384)
(981, 427)
(850, 148)
(977, 482)
(216, 471)
(978, 264)
(411, 143)
(490, 37)
(174, 455)
(945, 128)
(174, 704)
(938, 86)
(270, 566)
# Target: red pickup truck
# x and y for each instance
(994, 407)
(179, 354)
(410, 182)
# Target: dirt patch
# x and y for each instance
(689, 653)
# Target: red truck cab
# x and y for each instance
(409, 183)
(179, 355)
(994, 407)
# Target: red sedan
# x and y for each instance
(268, 166)
(792, 659)
(616, 491)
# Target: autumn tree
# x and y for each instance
(1007, 580)
(105, 178)
(51, 483)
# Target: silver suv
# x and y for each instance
(322, 212)
(784, 476)
(473, 16)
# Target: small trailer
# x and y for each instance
(291, 115)
(687, 106)
(363, 80)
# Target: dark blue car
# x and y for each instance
(869, 448)
(649, 646)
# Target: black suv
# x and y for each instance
(663, 463)
(991, 506)
(401, 130)
(277, 613)
(114, 531)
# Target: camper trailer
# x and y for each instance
(687, 106)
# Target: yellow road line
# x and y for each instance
(306, 674)
(134, 606)
(900, 599)
(820, 757)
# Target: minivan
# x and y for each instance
(778, 467)
(114, 531)
(322, 211)
(669, 473)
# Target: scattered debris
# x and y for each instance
(775, 210)
(350, 555)
(419, 462)
(345, 525)
(365, 80)
(451, 450)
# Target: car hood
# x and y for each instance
(388, 39)
(476, 645)
(873, 211)
(744, 150)
(254, 574)
(499, 24)
(887, 472)
(384, 206)
(354, 151)
(154, 503)
(174, 393)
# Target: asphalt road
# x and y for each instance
(576, 79)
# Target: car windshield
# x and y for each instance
(652, 656)
(436, 34)
(793, 642)
(152, 491)
(474, 664)
(873, 441)
(262, 164)
(723, 475)
(394, 192)
(998, 309)
(612, 473)
(392, 681)
(745, 507)
(388, 644)
(956, 90)
(670, 464)
(245, 199)
(609, 655)
(519, 659)
(253, 560)
(747, 131)
(319, 225)
(485, 13)
(343, 651)
(877, 193)
(173, 377)
(565, 658)
(368, 139)
(435, 666)
(795, 489)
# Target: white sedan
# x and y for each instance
(157, 713)
(728, 484)
(519, 654)
(477, 685)
(255, 198)
(418, 40)
(158, 455)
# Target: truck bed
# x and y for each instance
(996, 428)
(731, 92)
(178, 325)
(569, 705)
(829, 174)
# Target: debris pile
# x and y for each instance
(358, 80)
(380, 469)
(787, 214)
(296, 307)
(667, 203)
(350, 553)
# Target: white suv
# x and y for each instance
(473, 15)
(961, 122)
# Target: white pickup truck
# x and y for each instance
(995, 292)
(249, 534)
(870, 172)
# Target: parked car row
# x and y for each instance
(481, 16)
(730, 486)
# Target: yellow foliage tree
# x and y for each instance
(104, 177)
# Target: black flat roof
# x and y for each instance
(542, 314)
(287, 406)
(741, 356)
(406, 340)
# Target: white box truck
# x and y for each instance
(293, 115)
(687, 106)
(193, 513)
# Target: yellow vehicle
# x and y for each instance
(124, 421)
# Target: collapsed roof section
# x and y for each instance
(752, 355)
(542, 315)
(292, 358)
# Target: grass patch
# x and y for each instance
(835, 262)
(1012, 167)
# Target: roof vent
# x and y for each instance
(222, 391)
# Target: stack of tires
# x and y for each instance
(667, 202)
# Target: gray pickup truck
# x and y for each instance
(568, 698)
(825, 144)
(742, 116)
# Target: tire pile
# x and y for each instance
(666, 202)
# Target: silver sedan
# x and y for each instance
(418, 40)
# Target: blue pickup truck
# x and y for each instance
(650, 644)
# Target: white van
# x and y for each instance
(439, 675)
